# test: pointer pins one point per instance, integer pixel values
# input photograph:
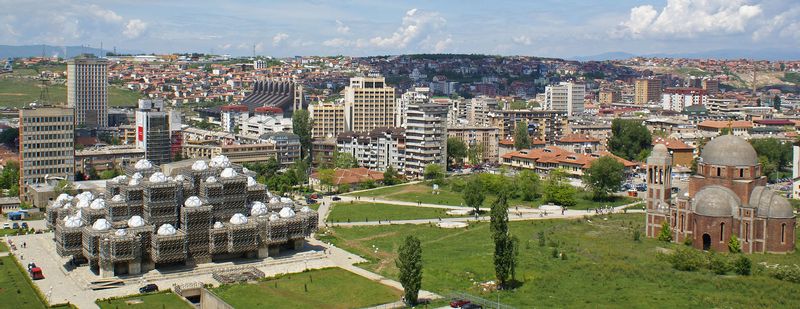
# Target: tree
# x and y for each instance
(522, 140)
(629, 139)
(64, 186)
(301, 125)
(344, 160)
(108, 174)
(475, 154)
(604, 176)
(9, 136)
(558, 191)
(409, 263)
(505, 245)
(666, 232)
(528, 185)
(178, 157)
(733, 245)
(776, 102)
(326, 177)
(774, 155)
(434, 172)
(390, 176)
(456, 150)
(725, 131)
(473, 194)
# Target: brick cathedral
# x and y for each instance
(726, 196)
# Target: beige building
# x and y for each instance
(542, 125)
(369, 104)
(87, 90)
(46, 145)
(610, 96)
(647, 91)
(486, 140)
(246, 153)
(328, 119)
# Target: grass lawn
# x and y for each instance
(18, 92)
(361, 211)
(149, 301)
(15, 290)
(327, 288)
(604, 266)
(423, 193)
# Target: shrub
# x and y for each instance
(733, 245)
(666, 232)
(687, 259)
(789, 273)
(688, 241)
(718, 263)
(563, 255)
(742, 265)
(637, 235)
(540, 236)
(555, 252)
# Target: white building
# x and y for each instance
(155, 129)
(262, 123)
(676, 99)
(87, 90)
(418, 95)
(381, 148)
(426, 137)
(232, 116)
(565, 96)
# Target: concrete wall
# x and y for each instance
(209, 300)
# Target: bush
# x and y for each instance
(637, 235)
(789, 273)
(540, 236)
(718, 263)
(688, 241)
(687, 259)
(733, 245)
(742, 266)
(457, 184)
(666, 232)
(555, 252)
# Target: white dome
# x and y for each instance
(56, 204)
(211, 179)
(274, 217)
(193, 201)
(166, 229)
(218, 225)
(143, 164)
(305, 209)
(64, 197)
(117, 198)
(258, 209)
(82, 203)
(120, 232)
(199, 165)
(86, 195)
(179, 178)
(220, 161)
(269, 194)
(286, 212)
(228, 173)
(73, 221)
(274, 200)
(135, 221)
(137, 175)
(238, 219)
(98, 204)
(158, 177)
(134, 182)
(245, 170)
(251, 181)
(119, 179)
(286, 200)
(101, 225)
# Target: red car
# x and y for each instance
(458, 303)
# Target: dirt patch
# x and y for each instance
(134, 301)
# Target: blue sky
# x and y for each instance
(316, 27)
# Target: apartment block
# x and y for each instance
(566, 97)
(547, 126)
(426, 137)
(610, 96)
(483, 139)
(676, 99)
(415, 96)
(328, 119)
(87, 90)
(369, 104)
(647, 91)
(46, 146)
(376, 150)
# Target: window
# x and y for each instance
(741, 173)
(783, 233)
(719, 171)
(747, 232)
(721, 232)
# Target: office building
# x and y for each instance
(46, 146)
(157, 131)
(87, 90)
(264, 120)
(369, 104)
(426, 137)
(328, 119)
(710, 85)
(566, 97)
(647, 91)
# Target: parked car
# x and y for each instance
(311, 201)
(471, 306)
(6, 226)
(641, 187)
(458, 303)
(15, 226)
(336, 198)
(35, 272)
(148, 288)
(24, 225)
(31, 265)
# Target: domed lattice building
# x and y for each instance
(727, 196)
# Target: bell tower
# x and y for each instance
(659, 189)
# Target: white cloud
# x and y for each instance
(225, 46)
(337, 42)
(689, 18)
(442, 45)
(341, 27)
(278, 38)
(134, 28)
(104, 14)
(785, 25)
(522, 39)
(415, 24)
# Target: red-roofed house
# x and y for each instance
(579, 143)
(682, 154)
(546, 159)
(347, 176)
(739, 127)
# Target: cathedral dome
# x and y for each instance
(715, 201)
(729, 150)
(769, 204)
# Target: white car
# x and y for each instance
(6, 226)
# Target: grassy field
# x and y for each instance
(325, 288)
(423, 193)
(15, 290)
(361, 211)
(604, 266)
(149, 301)
(18, 92)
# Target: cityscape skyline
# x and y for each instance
(549, 29)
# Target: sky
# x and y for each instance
(550, 28)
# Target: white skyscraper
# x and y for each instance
(87, 90)
(565, 96)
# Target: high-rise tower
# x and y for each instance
(87, 90)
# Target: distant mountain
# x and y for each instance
(758, 54)
(49, 51)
